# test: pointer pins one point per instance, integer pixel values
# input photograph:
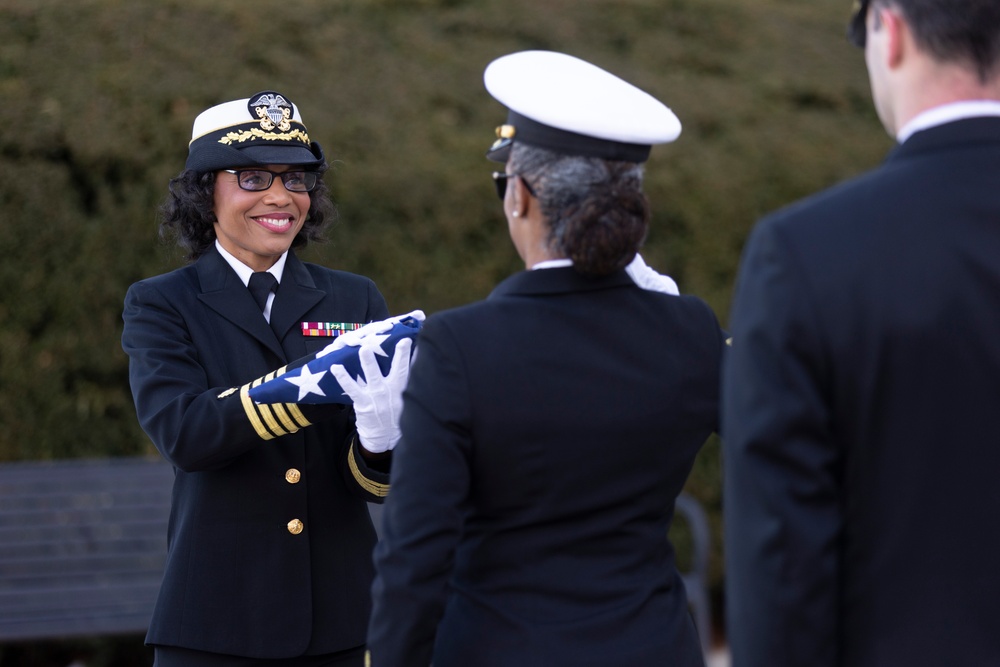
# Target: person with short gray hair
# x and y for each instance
(598, 213)
(547, 431)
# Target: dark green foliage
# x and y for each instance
(99, 96)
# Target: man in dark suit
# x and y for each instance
(270, 539)
(860, 397)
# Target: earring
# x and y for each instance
(516, 214)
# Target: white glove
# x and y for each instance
(648, 279)
(378, 399)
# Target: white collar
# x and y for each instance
(244, 271)
(947, 113)
(552, 264)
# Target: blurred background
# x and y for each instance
(101, 94)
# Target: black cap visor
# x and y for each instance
(563, 141)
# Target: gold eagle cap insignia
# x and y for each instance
(273, 110)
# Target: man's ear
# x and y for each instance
(897, 34)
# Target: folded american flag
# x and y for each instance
(310, 379)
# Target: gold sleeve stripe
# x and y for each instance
(371, 486)
(296, 414)
(289, 413)
(268, 412)
(286, 420)
(265, 410)
(272, 420)
(268, 420)
(251, 410)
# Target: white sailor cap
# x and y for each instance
(263, 129)
(565, 104)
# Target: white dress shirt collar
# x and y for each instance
(244, 271)
(947, 113)
(552, 264)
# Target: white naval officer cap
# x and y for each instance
(259, 130)
(559, 102)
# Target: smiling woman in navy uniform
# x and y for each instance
(269, 557)
(548, 429)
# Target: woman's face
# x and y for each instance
(256, 227)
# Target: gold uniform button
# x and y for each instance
(295, 526)
(292, 476)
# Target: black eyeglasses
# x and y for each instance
(500, 181)
(256, 180)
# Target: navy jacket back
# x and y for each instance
(860, 420)
(546, 433)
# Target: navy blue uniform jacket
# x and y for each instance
(861, 427)
(237, 580)
(546, 433)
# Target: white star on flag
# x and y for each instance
(307, 382)
(374, 343)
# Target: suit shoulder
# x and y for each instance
(844, 201)
(697, 306)
(692, 316)
(463, 321)
(458, 315)
(167, 282)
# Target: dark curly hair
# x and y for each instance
(187, 215)
(598, 215)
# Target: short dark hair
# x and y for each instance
(956, 31)
(187, 215)
(597, 213)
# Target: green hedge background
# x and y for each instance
(100, 96)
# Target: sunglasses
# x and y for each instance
(256, 180)
(500, 181)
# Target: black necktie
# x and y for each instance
(261, 284)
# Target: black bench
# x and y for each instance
(82, 546)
